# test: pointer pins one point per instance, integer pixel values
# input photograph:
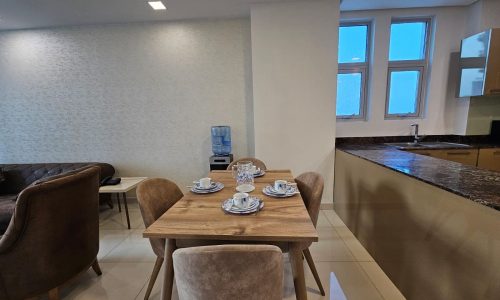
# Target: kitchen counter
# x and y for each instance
(480, 186)
(416, 214)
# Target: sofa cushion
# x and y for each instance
(61, 175)
(20, 176)
(7, 206)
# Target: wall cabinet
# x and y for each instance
(489, 159)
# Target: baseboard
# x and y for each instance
(326, 206)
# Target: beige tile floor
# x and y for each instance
(127, 260)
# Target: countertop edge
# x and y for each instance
(469, 196)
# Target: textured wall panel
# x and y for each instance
(141, 96)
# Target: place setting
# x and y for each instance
(242, 204)
(281, 189)
(206, 186)
(257, 172)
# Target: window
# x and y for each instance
(353, 63)
(408, 63)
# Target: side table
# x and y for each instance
(126, 184)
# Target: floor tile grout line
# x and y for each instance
(140, 291)
(326, 217)
(113, 248)
(358, 261)
(346, 246)
(371, 280)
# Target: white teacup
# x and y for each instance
(280, 186)
(241, 200)
(254, 170)
(205, 182)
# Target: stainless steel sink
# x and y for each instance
(409, 145)
(444, 145)
(428, 145)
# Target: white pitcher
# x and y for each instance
(242, 172)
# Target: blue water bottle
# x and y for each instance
(221, 140)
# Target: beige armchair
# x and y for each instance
(228, 272)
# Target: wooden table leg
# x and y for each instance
(299, 280)
(126, 209)
(168, 278)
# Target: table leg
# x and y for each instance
(119, 205)
(126, 209)
(298, 271)
(109, 201)
(168, 279)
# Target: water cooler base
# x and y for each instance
(220, 162)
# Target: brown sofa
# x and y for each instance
(53, 235)
(16, 177)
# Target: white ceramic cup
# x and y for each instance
(205, 182)
(280, 186)
(241, 200)
(253, 169)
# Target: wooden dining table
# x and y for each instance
(200, 217)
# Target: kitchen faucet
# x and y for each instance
(416, 137)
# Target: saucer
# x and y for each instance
(270, 191)
(245, 188)
(218, 186)
(254, 206)
(260, 173)
(197, 186)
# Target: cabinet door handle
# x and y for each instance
(458, 153)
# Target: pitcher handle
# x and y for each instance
(234, 170)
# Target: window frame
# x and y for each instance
(421, 65)
(358, 67)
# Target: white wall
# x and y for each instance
(141, 96)
(294, 54)
(441, 105)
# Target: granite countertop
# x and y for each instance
(478, 185)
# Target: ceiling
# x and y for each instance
(22, 14)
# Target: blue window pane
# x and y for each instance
(407, 41)
(403, 93)
(352, 43)
(349, 94)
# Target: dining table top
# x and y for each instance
(200, 216)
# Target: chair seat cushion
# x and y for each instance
(7, 206)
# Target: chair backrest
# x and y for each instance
(155, 197)
(257, 162)
(229, 272)
(53, 234)
(311, 186)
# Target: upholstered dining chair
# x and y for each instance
(155, 197)
(310, 185)
(229, 272)
(257, 162)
